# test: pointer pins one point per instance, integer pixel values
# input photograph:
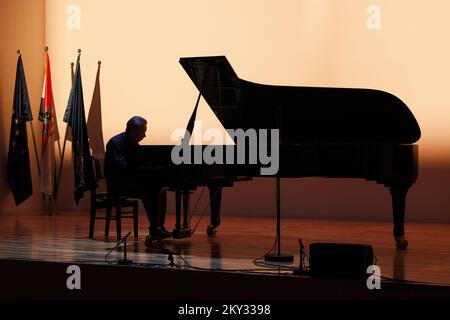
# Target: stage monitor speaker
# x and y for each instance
(340, 260)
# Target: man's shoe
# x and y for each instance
(160, 233)
(165, 234)
(165, 231)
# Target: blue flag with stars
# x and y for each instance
(18, 164)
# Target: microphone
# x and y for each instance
(124, 239)
(170, 256)
(124, 261)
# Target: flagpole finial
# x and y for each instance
(79, 51)
(72, 64)
(99, 63)
(18, 52)
(46, 49)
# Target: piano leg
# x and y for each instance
(178, 210)
(398, 194)
(215, 199)
(182, 230)
(186, 210)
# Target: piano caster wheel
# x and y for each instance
(401, 243)
(211, 230)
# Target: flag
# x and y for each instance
(94, 122)
(18, 163)
(75, 117)
(50, 133)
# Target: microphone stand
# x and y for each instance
(123, 261)
(278, 256)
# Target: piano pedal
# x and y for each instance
(211, 230)
(401, 242)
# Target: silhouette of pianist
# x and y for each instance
(127, 175)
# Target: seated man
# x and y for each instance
(126, 175)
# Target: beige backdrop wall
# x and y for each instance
(298, 43)
(293, 42)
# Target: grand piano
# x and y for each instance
(323, 132)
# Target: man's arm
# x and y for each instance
(117, 157)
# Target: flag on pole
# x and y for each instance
(75, 117)
(94, 122)
(18, 163)
(50, 133)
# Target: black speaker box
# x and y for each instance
(340, 260)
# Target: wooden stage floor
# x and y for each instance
(238, 242)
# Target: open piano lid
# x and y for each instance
(303, 114)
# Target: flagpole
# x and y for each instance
(35, 149)
(33, 137)
(59, 149)
(64, 146)
(61, 162)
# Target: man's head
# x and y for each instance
(136, 128)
